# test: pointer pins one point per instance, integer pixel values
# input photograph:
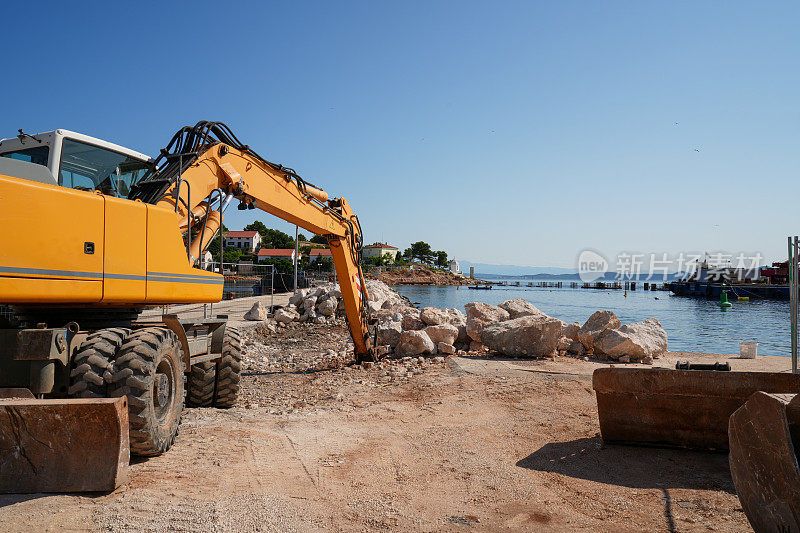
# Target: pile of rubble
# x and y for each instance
(518, 328)
(309, 348)
(514, 328)
(324, 303)
(407, 331)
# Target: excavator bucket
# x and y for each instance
(75, 445)
(681, 408)
(764, 443)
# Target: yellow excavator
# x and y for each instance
(91, 233)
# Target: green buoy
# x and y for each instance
(723, 300)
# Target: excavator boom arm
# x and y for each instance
(242, 174)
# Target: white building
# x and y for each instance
(243, 240)
(455, 268)
(206, 260)
(379, 249)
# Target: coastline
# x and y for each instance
(423, 277)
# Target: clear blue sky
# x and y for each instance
(502, 132)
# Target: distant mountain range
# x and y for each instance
(487, 270)
(574, 276)
(513, 270)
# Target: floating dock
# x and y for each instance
(706, 289)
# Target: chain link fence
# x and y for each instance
(7, 314)
(245, 284)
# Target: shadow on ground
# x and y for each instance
(633, 466)
(7, 500)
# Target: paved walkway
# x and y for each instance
(234, 309)
(574, 367)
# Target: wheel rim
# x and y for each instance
(163, 388)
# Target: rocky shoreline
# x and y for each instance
(515, 328)
(422, 276)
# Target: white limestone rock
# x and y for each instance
(596, 325)
(524, 336)
(389, 333)
(446, 333)
(286, 316)
(479, 315)
(635, 341)
(519, 307)
(258, 312)
(413, 343)
(432, 316)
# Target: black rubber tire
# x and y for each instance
(148, 357)
(200, 384)
(92, 364)
(229, 368)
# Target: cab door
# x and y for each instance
(125, 251)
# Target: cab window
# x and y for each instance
(37, 155)
(88, 168)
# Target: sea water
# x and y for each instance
(692, 324)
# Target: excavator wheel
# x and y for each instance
(149, 371)
(228, 369)
(93, 363)
(200, 384)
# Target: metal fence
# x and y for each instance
(245, 284)
(7, 314)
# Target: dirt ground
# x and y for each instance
(459, 444)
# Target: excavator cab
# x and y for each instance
(73, 160)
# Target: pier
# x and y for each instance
(599, 285)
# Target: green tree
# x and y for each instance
(231, 255)
(282, 265)
(301, 238)
(421, 251)
(258, 226)
(271, 238)
(323, 264)
(319, 239)
(441, 258)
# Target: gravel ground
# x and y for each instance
(317, 443)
